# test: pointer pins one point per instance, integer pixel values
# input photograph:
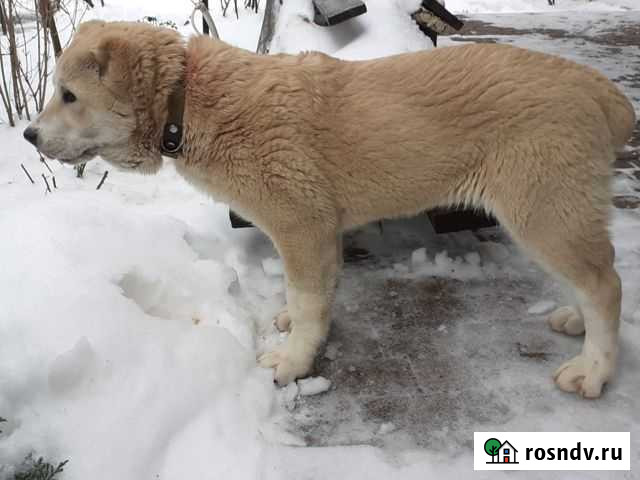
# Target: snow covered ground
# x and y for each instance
(131, 316)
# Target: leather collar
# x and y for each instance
(173, 134)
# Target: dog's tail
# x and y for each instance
(621, 117)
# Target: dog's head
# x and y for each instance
(111, 85)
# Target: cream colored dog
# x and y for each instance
(309, 146)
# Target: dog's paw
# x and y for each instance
(289, 363)
(584, 374)
(567, 320)
(282, 321)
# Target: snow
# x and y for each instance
(131, 317)
(387, 28)
(273, 267)
(386, 428)
(313, 385)
(419, 258)
(542, 307)
(461, 268)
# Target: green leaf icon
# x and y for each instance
(492, 446)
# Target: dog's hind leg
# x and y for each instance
(599, 296)
(311, 264)
(597, 288)
(566, 231)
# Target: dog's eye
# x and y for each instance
(68, 97)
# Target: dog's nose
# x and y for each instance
(31, 135)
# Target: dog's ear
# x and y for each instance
(111, 56)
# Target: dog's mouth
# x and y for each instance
(84, 157)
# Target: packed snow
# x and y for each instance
(542, 307)
(131, 316)
(313, 385)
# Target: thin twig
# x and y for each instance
(54, 183)
(46, 183)
(104, 177)
(45, 163)
(27, 173)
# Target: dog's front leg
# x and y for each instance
(311, 263)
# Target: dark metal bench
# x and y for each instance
(332, 12)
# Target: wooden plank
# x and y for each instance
(437, 9)
(433, 20)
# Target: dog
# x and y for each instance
(309, 146)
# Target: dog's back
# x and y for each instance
(413, 131)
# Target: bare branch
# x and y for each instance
(27, 173)
(46, 183)
(45, 163)
(104, 177)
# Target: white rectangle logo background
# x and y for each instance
(543, 449)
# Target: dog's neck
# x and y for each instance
(154, 97)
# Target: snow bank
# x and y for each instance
(386, 29)
(120, 337)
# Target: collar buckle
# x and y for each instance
(172, 139)
(173, 133)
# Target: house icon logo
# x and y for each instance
(500, 452)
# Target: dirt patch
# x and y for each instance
(476, 39)
(635, 136)
(626, 202)
(628, 164)
(398, 352)
(632, 80)
(525, 351)
(477, 27)
(626, 34)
